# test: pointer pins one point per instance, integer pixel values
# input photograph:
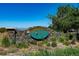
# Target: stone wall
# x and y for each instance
(19, 35)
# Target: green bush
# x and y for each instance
(63, 37)
(13, 41)
(22, 45)
(46, 43)
(54, 44)
(54, 37)
(54, 40)
(2, 30)
(5, 42)
(66, 43)
(70, 36)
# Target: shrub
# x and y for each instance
(22, 45)
(13, 41)
(70, 37)
(46, 43)
(66, 43)
(53, 40)
(54, 37)
(2, 30)
(62, 38)
(54, 44)
(5, 42)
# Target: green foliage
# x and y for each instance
(66, 42)
(2, 30)
(62, 38)
(54, 44)
(5, 42)
(54, 37)
(56, 52)
(13, 41)
(54, 40)
(70, 37)
(50, 26)
(67, 17)
(46, 43)
(66, 52)
(22, 45)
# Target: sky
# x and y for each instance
(24, 15)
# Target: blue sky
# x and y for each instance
(27, 14)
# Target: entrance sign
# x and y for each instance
(39, 34)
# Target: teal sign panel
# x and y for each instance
(39, 34)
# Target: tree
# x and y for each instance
(67, 18)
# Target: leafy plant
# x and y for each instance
(53, 40)
(54, 44)
(63, 37)
(5, 42)
(46, 43)
(22, 45)
(66, 42)
(13, 41)
(70, 37)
